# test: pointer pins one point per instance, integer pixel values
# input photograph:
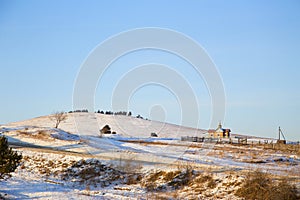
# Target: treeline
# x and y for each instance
(76, 111)
(119, 113)
(114, 113)
(124, 113)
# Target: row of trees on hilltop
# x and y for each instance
(76, 111)
(115, 113)
(119, 113)
(58, 117)
(124, 113)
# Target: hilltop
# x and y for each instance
(90, 123)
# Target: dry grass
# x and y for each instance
(185, 178)
(285, 148)
(261, 186)
(156, 175)
(92, 172)
(184, 184)
(203, 179)
(133, 179)
(128, 165)
(130, 168)
(202, 183)
(170, 175)
(41, 135)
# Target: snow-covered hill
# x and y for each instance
(57, 163)
(80, 133)
(91, 123)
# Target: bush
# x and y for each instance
(91, 172)
(105, 130)
(169, 176)
(172, 180)
(9, 160)
(154, 135)
(182, 179)
(259, 185)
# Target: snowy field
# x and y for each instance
(76, 162)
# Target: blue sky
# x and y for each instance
(254, 44)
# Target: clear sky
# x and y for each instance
(254, 44)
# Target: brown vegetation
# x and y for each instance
(261, 186)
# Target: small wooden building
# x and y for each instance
(219, 132)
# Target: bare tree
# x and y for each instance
(58, 117)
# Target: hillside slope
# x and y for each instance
(91, 123)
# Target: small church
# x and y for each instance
(220, 132)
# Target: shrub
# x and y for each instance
(42, 135)
(9, 159)
(182, 179)
(169, 176)
(211, 184)
(91, 172)
(166, 181)
(132, 179)
(155, 176)
(260, 186)
(203, 179)
(154, 135)
(105, 130)
(285, 191)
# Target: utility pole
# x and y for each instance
(279, 133)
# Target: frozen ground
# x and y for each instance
(50, 153)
